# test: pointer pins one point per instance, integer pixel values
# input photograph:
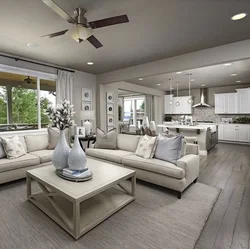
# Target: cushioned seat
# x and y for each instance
(44, 155)
(110, 155)
(20, 162)
(154, 165)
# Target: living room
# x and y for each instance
(124, 124)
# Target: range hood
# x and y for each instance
(203, 99)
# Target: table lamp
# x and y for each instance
(87, 117)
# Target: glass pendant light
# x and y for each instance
(170, 86)
(190, 100)
(177, 103)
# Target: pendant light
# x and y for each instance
(177, 103)
(170, 88)
(190, 100)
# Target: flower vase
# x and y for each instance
(61, 152)
(77, 157)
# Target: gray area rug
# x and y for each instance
(155, 220)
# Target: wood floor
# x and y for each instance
(227, 167)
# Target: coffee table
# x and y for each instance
(80, 206)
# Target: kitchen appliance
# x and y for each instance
(203, 99)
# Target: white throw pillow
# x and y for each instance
(146, 147)
(13, 147)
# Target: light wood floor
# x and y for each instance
(227, 167)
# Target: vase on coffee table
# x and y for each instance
(77, 157)
(61, 152)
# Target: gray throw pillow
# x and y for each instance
(2, 152)
(169, 148)
(106, 140)
(54, 134)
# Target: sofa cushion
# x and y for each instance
(37, 142)
(44, 155)
(127, 142)
(110, 155)
(154, 165)
(23, 161)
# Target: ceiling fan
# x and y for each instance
(81, 29)
(28, 80)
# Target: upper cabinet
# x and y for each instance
(172, 108)
(233, 103)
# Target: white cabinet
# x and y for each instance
(226, 103)
(234, 132)
(183, 108)
(244, 100)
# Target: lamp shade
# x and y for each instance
(89, 115)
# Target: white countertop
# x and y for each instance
(188, 127)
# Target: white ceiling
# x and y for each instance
(211, 76)
(157, 29)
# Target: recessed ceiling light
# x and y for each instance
(179, 73)
(192, 80)
(233, 74)
(238, 81)
(158, 84)
(33, 45)
(238, 16)
(203, 85)
(90, 63)
(140, 79)
(227, 64)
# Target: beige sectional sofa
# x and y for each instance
(177, 177)
(37, 156)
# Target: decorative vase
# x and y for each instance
(77, 157)
(61, 152)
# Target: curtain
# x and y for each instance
(64, 86)
(150, 107)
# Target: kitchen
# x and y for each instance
(210, 103)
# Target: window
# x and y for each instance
(19, 101)
(134, 109)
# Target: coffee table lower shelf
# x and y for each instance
(92, 211)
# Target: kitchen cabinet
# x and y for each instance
(183, 108)
(234, 132)
(244, 100)
(226, 103)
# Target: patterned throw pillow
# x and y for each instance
(13, 147)
(146, 147)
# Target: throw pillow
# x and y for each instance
(146, 147)
(169, 148)
(2, 152)
(13, 147)
(54, 134)
(106, 140)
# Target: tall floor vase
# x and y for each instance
(77, 157)
(61, 152)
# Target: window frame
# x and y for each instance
(39, 75)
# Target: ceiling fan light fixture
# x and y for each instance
(79, 33)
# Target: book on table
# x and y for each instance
(77, 173)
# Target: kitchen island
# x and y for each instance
(206, 134)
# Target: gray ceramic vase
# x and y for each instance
(77, 157)
(61, 152)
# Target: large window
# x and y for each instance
(23, 100)
(134, 109)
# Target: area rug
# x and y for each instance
(155, 220)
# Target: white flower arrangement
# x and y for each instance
(61, 116)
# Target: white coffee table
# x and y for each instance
(80, 206)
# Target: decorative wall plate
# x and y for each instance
(86, 106)
(110, 120)
(110, 109)
(110, 97)
(86, 94)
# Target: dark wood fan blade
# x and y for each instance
(56, 34)
(109, 21)
(51, 4)
(93, 40)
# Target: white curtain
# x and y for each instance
(64, 86)
(150, 107)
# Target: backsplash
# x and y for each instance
(207, 114)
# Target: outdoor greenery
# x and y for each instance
(24, 106)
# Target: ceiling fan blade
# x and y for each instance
(51, 4)
(93, 40)
(109, 21)
(56, 34)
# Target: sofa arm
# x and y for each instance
(191, 165)
(192, 149)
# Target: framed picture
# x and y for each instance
(86, 94)
(110, 109)
(80, 131)
(86, 106)
(110, 97)
(110, 120)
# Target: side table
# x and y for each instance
(85, 139)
